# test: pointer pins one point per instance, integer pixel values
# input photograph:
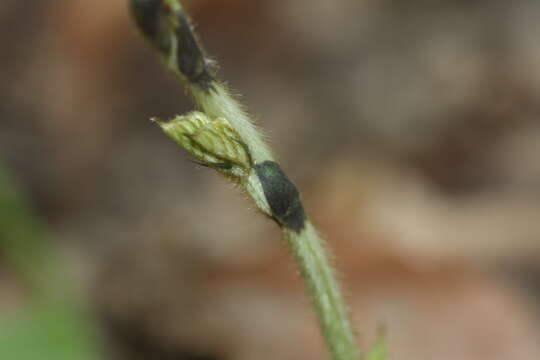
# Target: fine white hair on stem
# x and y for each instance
(223, 137)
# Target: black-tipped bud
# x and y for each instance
(191, 60)
(164, 23)
(282, 196)
(150, 17)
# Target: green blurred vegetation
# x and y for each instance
(51, 323)
(378, 351)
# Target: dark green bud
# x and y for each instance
(151, 18)
(282, 196)
(163, 23)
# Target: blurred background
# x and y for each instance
(411, 128)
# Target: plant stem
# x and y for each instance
(312, 259)
(224, 137)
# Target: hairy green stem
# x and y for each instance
(312, 259)
(223, 137)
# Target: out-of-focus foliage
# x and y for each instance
(51, 325)
(48, 331)
(379, 351)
